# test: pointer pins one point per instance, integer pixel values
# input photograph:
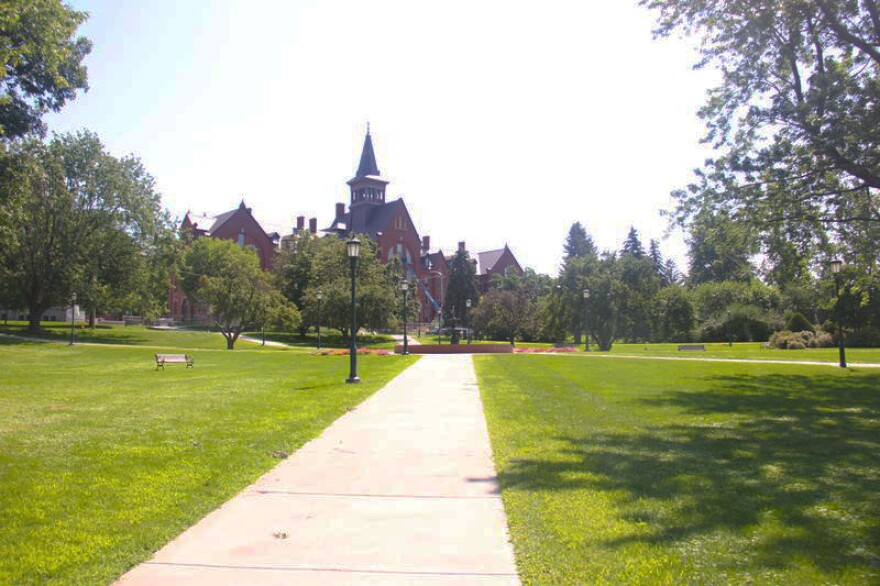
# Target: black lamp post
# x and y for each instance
(405, 288)
(319, 296)
(72, 315)
(836, 265)
(467, 324)
(354, 251)
(586, 321)
(729, 329)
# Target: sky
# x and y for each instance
(496, 121)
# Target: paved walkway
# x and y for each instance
(401, 490)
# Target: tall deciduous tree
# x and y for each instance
(73, 217)
(329, 272)
(794, 119)
(239, 294)
(40, 62)
(719, 249)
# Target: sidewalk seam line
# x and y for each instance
(332, 569)
(375, 496)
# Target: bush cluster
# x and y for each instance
(788, 340)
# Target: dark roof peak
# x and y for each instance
(368, 166)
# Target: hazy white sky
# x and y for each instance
(497, 121)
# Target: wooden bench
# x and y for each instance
(163, 359)
(691, 348)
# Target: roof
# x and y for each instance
(486, 260)
(434, 258)
(368, 220)
(368, 166)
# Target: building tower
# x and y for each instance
(367, 186)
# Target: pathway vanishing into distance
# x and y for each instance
(402, 490)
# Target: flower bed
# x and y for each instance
(344, 352)
(562, 350)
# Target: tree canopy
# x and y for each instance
(239, 294)
(794, 119)
(40, 62)
(75, 218)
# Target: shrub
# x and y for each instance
(787, 340)
(797, 322)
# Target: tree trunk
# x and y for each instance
(35, 312)
(230, 342)
(92, 313)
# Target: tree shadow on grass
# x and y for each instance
(793, 461)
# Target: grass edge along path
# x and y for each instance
(103, 460)
(641, 472)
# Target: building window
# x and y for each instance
(241, 239)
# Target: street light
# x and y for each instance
(467, 304)
(836, 266)
(405, 288)
(354, 251)
(586, 322)
(729, 335)
(320, 296)
(72, 314)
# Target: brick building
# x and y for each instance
(388, 223)
(238, 225)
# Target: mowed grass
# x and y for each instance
(749, 351)
(128, 335)
(103, 459)
(655, 472)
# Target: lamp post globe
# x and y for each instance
(354, 251)
(319, 296)
(405, 288)
(836, 267)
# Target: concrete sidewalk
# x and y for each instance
(401, 490)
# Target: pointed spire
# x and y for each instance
(368, 164)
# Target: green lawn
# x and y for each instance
(128, 335)
(650, 472)
(103, 459)
(750, 350)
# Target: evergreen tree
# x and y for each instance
(632, 246)
(578, 244)
(656, 257)
(461, 287)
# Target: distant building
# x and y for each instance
(388, 223)
(496, 262)
(238, 225)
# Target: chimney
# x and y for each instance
(340, 209)
(313, 225)
(300, 223)
(461, 247)
(426, 243)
